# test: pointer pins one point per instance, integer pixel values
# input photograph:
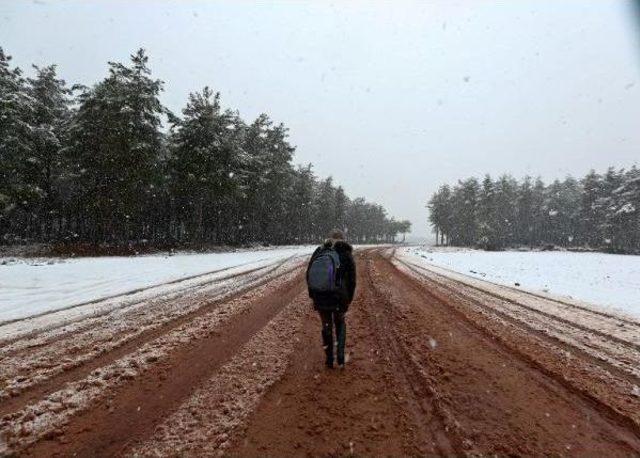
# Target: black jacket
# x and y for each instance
(347, 272)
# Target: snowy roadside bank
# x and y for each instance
(32, 287)
(605, 280)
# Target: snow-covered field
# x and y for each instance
(30, 287)
(597, 278)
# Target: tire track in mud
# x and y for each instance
(113, 416)
(598, 349)
(104, 356)
(216, 288)
(576, 306)
(594, 378)
(635, 325)
(47, 356)
(436, 425)
(511, 398)
(428, 373)
(370, 408)
(203, 424)
(7, 342)
(121, 295)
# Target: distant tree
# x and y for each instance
(539, 216)
(340, 205)
(606, 204)
(591, 215)
(440, 213)
(268, 173)
(463, 218)
(324, 212)
(403, 227)
(357, 220)
(506, 189)
(486, 215)
(300, 206)
(598, 211)
(623, 212)
(526, 212)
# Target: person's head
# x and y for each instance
(336, 234)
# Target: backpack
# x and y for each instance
(323, 273)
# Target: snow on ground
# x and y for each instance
(29, 288)
(598, 278)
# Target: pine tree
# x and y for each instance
(356, 220)
(204, 160)
(624, 210)
(591, 217)
(16, 111)
(595, 211)
(324, 213)
(115, 146)
(526, 213)
(300, 204)
(486, 215)
(464, 223)
(506, 210)
(98, 168)
(44, 169)
(440, 210)
(401, 227)
(269, 155)
(606, 205)
(340, 205)
(539, 215)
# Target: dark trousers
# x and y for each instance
(329, 320)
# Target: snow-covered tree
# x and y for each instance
(486, 215)
(300, 212)
(623, 211)
(599, 211)
(268, 178)
(440, 213)
(98, 168)
(324, 213)
(16, 108)
(45, 167)
(205, 159)
(464, 224)
(115, 147)
(590, 215)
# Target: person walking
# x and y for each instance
(331, 280)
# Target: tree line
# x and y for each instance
(110, 164)
(600, 211)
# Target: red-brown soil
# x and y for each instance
(434, 367)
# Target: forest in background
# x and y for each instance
(600, 211)
(109, 164)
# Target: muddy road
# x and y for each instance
(436, 365)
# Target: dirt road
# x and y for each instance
(436, 365)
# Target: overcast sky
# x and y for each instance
(392, 99)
